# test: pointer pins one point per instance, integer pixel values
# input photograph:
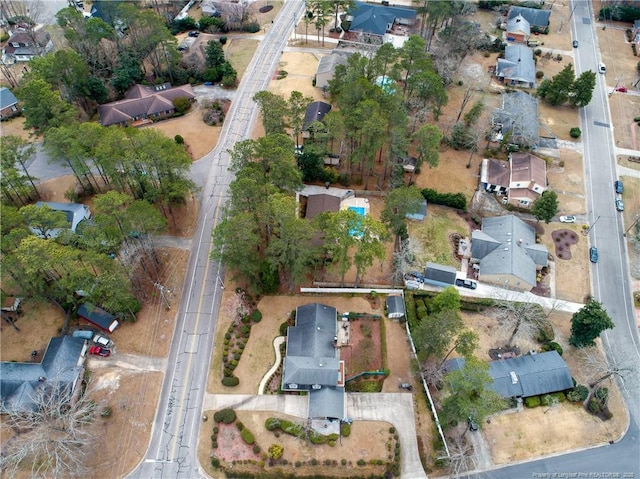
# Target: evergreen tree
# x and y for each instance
(588, 323)
(545, 207)
(582, 89)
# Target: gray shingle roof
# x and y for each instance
(317, 204)
(328, 63)
(519, 116)
(518, 24)
(327, 403)
(308, 371)
(61, 367)
(525, 376)
(375, 19)
(395, 305)
(507, 245)
(75, 212)
(7, 98)
(517, 64)
(535, 16)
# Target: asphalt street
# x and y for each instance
(172, 450)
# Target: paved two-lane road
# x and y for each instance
(172, 452)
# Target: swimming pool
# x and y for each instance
(357, 231)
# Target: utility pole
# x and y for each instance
(163, 294)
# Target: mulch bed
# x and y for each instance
(563, 240)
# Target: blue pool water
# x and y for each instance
(357, 231)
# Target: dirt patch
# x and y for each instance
(566, 178)
(123, 438)
(199, 137)
(563, 240)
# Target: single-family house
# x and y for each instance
(522, 179)
(98, 317)
(394, 306)
(505, 253)
(517, 121)
(439, 275)
(312, 362)
(143, 104)
(528, 178)
(518, 29)
(315, 111)
(537, 18)
(209, 9)
(8, 104)
(327, 67)
(525, 376)
(76, 213)
(60, 372)
(517, 68)
(317, 204)
(377, 24)
(26, 43)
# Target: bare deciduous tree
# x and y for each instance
(594, 361)
(523, 320)
(56, 438)
(462, 458)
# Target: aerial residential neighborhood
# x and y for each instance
(258, 238)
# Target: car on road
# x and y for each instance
(593, 254)
(466, 283)
(619, 187)
(99, 351)
(619, 205)
(602, 68)
(194, 33)
(567, 219)
(575, 44)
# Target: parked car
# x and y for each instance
(567, 219)
(466, 283)
(83, 334)
(102, 340)
(411, 284)
(602, 68)
(621, 89)
(575, 44)
(99, 351)
(593, 254)
(406, 386)
(194, 33)
(619, 205)
(619, 187)
(473, 425)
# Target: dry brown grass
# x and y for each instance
(568, 182)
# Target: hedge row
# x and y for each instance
(544, 400)
(286, 426)
(454, 200)
(226, 416)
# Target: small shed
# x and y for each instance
(439, 275)
(98, 316)
(394, 305)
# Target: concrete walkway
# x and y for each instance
(132, 362)
(276, 347)
(395, 408)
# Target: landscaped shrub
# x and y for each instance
(226, 416)
(239, 425)
(454, 200)
(179, 139)
(362, 462)
(252, 27)
(533, 401)
(578, 394)
(223, 40)
(256, 316)
(317, 438)
(602, 394)
(345, 429)
(594, 406)
(272, 423)
(553, 346)
(545, 333)
(560, 396)
(247, 436)
(291, 428)
(215, 462)
(575, 132)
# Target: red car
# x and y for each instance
(621, 89)
(98, 351)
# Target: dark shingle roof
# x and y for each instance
(315, 112)
(61, 367)
(395, 305)
(327, 403)
(440, 273)
(317, 204)
(519, 117)
(517, 64)
(374, 19)
(535, 16)
(524, 376)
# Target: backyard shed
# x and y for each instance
(98, 316)
(395, 306)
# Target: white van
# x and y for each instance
(602, 68)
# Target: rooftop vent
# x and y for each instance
(514, 377)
